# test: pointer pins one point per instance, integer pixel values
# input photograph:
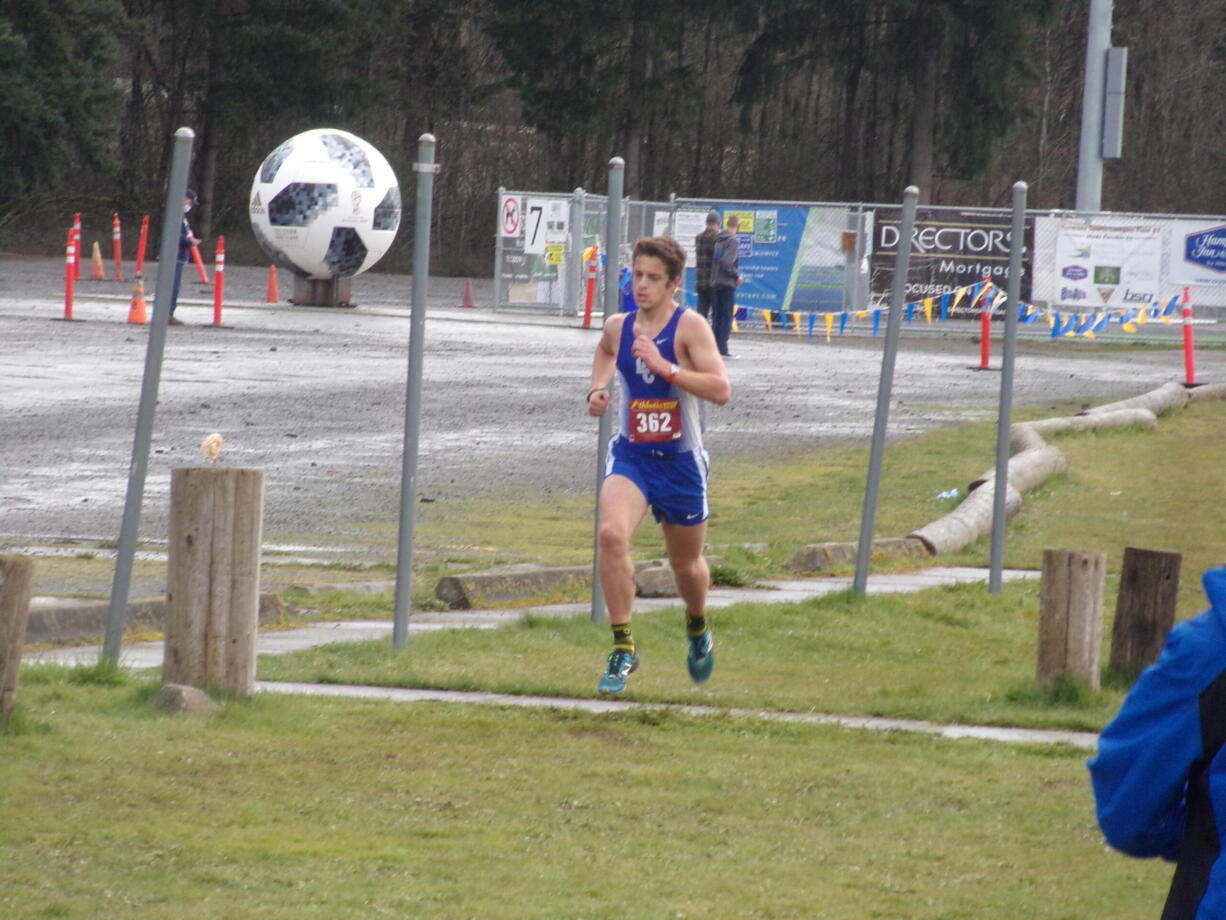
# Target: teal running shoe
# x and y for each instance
(701, 659)
(621, 665)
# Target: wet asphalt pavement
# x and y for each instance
(315, 397)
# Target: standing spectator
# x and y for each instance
(703, 244)
(725, 279)
(1160, 774)
(187, 240)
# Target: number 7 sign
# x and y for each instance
(534, 226)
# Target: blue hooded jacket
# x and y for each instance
(1159, 776)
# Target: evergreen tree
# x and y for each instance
(60, 105)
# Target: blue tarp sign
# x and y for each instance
(790, 256)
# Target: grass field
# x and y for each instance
(1125, 487)
(287, 807)
(956, 655)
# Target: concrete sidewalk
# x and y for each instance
(149, 655)
(770, 591)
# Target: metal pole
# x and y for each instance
(498, 254)
(862, 236)
(168, 256)
(893, 324)
(1003, 421)
(425, 168)
(612, 304)
(574, 255)
(1090, 160)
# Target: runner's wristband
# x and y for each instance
(673, 371)
(588, 398)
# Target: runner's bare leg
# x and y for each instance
(684, 545)
(622, 507)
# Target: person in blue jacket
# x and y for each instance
(187, 240)
(1159, 776)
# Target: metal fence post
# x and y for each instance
(612, 304)
(498, 252)
(168, 254)
(574, 254)
(425, 168)
(893, 321)
(1001, 485)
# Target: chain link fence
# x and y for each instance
(814, 265)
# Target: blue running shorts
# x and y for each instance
(675, 485)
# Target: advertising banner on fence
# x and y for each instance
(1196, 252)
(1108, 265)
(790, 255)
(950, 249)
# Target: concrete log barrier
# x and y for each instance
(1171, 395)
(1022, 437)
(966, 523)
(822, 557)
(1027, 470)
(1207, 391)
(1119, 418)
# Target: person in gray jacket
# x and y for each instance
(725, 279)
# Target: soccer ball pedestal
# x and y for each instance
(326, 292)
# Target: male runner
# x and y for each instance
(666, 360)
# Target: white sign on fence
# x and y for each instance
(535, 230)
(688, 224)
(1108, 265)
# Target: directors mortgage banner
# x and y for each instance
(951, 248)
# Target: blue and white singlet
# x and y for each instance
(656, 418)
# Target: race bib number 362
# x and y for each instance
(655, 420)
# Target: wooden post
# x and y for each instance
(1144, 610)
(16, 582)
(1071, 616)
(213, 578)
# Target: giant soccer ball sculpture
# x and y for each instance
(325, 205)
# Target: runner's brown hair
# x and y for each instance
(667, 250)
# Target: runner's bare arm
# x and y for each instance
(702, 370)
(604, 363)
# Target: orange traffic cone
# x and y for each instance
(136, 312)
(467, 300)
(273, 296)
(96, 271)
